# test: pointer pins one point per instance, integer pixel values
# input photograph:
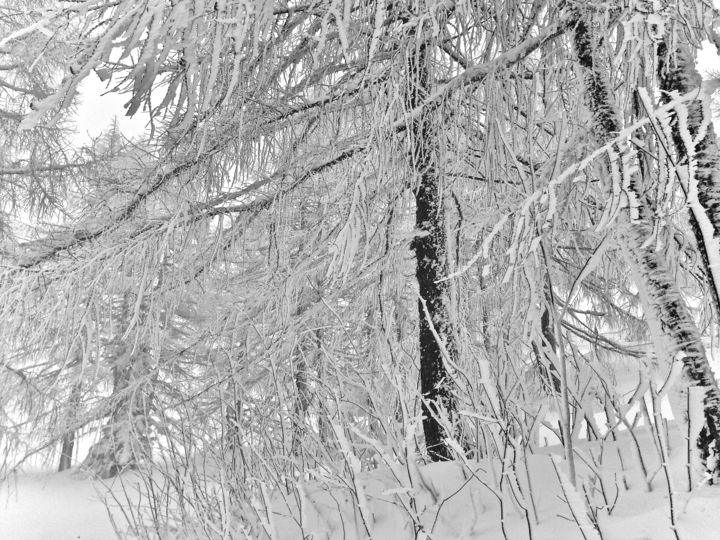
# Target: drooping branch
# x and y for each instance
(163, 175)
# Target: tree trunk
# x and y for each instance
(677, 74)
(545, 351)
(436, 332)
(124, 442)
(662, 294)
(233, 436)
(67, 444)
(66, 451)
(304, 398)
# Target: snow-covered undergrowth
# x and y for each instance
(486, 498)
(483, 499)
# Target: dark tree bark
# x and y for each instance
(545, 350)
(677, 73)
(430, 246)
(236, 462)
(306, 353)
(661, 289)
(307, 349)
(67, 443)
(66, 451)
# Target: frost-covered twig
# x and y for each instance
(575, 503)
(657, 427)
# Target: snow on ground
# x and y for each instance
(457, 501)
(53, 506)
(451, 501)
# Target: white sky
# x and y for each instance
(708, 62)
(96, 112)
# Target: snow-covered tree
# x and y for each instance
(353, 218)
